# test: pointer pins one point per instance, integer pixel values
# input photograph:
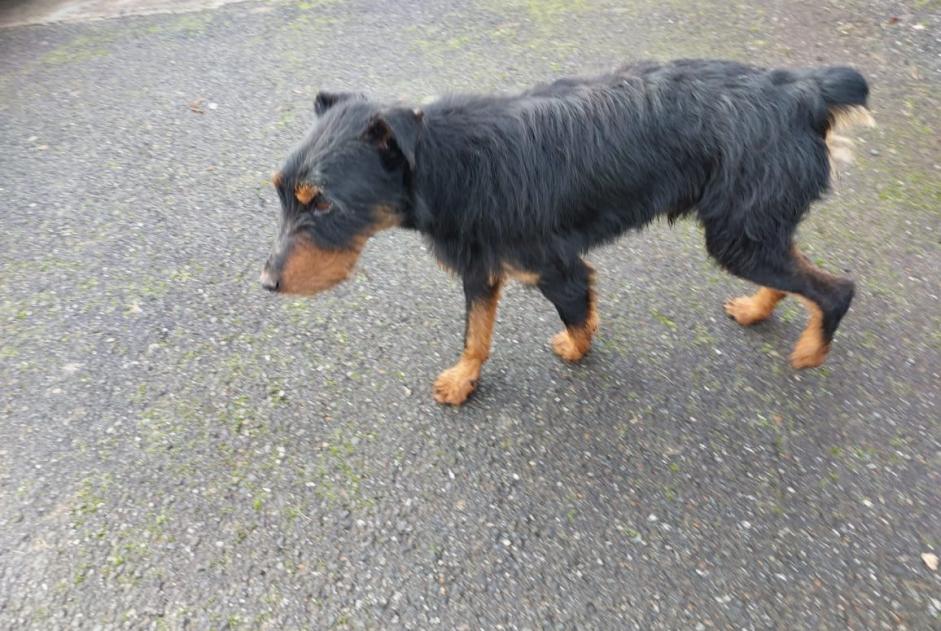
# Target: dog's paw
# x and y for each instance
(809, 352)
(745, 311)
(565, 347)
(454, 385)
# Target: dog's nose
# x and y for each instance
(269, 280)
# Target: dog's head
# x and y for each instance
(347, 180)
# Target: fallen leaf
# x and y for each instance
(197, 105)
(931, 560)
(894, 19)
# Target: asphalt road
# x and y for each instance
(179, 449)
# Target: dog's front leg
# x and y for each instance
(455, 384)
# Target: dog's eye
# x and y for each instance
(321, 205)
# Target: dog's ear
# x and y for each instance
(396, 131)
(325, 100)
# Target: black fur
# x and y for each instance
(537, 179)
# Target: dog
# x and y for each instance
(522, 186)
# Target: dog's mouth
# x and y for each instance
(308, 269)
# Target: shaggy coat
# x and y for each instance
(524, 185)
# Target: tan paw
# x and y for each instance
(745, 311)
(454, 385)
(565, 347)
(809, 353)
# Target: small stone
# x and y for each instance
(213, 106)
(931, 560)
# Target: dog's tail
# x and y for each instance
(845, 92)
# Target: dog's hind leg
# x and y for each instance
(780, 271)
(455, 384)
(569, 288)
(827, 299)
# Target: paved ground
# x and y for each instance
(20, 12)
(180, 450)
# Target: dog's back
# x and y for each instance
(596, 156)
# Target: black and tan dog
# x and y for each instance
(522, 186)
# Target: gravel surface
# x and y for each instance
(179, 449)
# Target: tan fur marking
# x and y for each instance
(523, 276)
(277, 179)
(748, 310)
(810, 350)
(455, 384)
(852, 116)
(309, 269)
(480, 328)
(575, 341)
(840, 147)
(305, 192)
